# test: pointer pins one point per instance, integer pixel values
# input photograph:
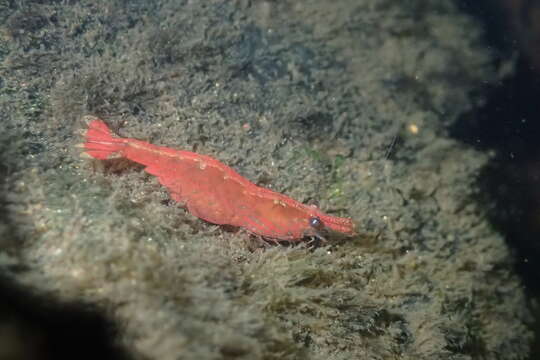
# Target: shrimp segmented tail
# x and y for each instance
(100, 142)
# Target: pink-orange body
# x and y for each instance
(213, 191)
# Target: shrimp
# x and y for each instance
(214, 192)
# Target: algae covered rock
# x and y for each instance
(346, 102)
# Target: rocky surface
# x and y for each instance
(347, 102)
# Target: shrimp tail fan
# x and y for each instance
(100, 142)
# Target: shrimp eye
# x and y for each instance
(315, 222)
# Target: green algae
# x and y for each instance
(322, 93)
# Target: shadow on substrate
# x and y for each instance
(35, 327)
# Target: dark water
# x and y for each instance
(509, 125)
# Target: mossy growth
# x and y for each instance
(305, 104)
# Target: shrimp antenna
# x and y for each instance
(390, 149)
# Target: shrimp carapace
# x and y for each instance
(215, 192)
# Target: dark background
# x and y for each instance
(509, 125)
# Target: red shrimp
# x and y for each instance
(214, 192)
